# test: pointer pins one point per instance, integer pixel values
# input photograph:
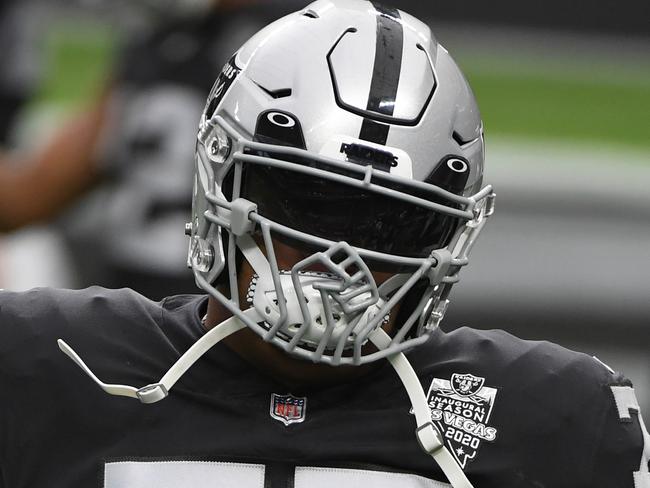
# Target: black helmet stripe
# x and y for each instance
(374, 131)
(385, 73)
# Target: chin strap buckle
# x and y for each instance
(429, 438)
(152, 393)
(155, 392)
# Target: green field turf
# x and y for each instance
(580, 106)
(569, 102)
(78, 63)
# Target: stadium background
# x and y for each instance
(565, 97)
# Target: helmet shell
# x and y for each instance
(326, 65)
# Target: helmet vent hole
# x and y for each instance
(462, 141)
(459, 139)
(311, 14)
(279, 93)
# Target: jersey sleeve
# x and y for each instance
(623, 453)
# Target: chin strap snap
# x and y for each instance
(427, 434)
(155, 392)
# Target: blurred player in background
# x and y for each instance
(143, 124)
(20, 64)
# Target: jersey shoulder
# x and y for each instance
(558, 417)
(517, 363)
(32, 321)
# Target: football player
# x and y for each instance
(337, 194)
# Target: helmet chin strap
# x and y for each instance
(155, 392)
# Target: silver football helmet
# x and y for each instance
(345, 130)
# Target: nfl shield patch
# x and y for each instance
(288, 409)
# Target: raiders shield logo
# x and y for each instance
(288, 409)
(466, 384)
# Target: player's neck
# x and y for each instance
(276, 363)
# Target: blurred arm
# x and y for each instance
(39, 186)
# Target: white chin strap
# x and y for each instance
(427, 434)
(429, 437)
(155, 392)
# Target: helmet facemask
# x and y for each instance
(325, 306)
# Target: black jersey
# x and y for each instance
(514, 413)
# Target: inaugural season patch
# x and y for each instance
(288, 409)
(461, 408)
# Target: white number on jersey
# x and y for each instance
(625, 403)
(205, 474)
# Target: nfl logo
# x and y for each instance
(288, 409)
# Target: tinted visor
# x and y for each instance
(339, 212)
